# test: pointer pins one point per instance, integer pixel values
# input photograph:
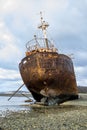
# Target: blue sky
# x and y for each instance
(18, 24)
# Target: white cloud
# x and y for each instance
(82, 55)
(7, 6)
(10, 80)
(82, 82)
(68, 23)
(8, 45)
(55, 5)
(81, 69)
(81, 75)
(6, 74)
(9, 52)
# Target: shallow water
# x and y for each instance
(15, 104)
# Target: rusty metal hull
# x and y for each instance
(48, 74)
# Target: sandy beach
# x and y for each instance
(71, 115)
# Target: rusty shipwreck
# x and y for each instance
(48, 75)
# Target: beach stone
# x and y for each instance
(68, 116)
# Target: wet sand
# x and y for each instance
(70, 115)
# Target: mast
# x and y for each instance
(44, 26)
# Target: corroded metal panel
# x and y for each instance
(48, 74)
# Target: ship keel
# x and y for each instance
(51, 101)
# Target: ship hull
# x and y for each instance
(49, 74)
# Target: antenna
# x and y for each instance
(44, 26)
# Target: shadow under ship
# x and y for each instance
(48, 75)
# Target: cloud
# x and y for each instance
(81, 75)
(10, 80)
(81, 58)
(18, 24)
(6, 74)
(10, 52)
